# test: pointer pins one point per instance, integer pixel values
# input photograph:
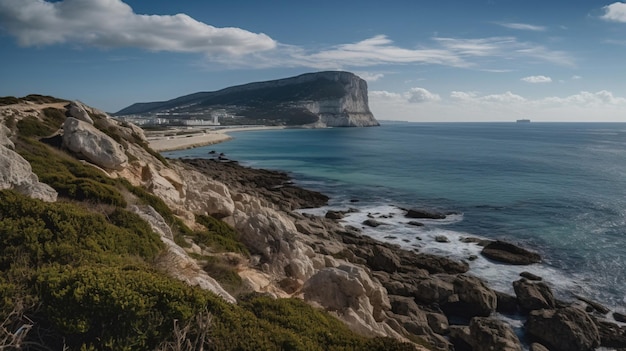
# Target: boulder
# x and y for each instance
(533, 295)
(611, 334)
(442, 239)
(16, 173)
(471, 297)
(488, 334)
(372, 223)
(563, 329)
(334, 215)
(620, 317)
(506, 303)
(4, 137)
(97, 147)
(348, 290)
(383, 259)
(77, 110)
(508, 253)
(421, 213)
(460, 338)
(432, 263)
(530, 276)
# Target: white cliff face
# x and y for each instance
(351, 110)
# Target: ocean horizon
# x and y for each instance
(558, 189)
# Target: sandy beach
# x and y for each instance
(179, 139)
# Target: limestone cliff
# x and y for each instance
(322, 99)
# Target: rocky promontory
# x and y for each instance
(321, 99)
(142, 252)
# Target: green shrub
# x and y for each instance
(219, 235)
(225, 273)
(33, 127)
(68, 234)
(8, 100)
(42, 99)
(109, 308)
(69, 177)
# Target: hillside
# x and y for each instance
(318, 99)
(106, 245)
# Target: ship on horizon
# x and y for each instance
(523, 121)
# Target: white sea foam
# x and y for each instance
(429, 238)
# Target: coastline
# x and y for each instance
(188, 139)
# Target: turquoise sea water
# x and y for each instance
(556, 188)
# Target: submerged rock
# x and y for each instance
(420, 213)
(509, 253)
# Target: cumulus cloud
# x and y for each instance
(413, 95)
(537, 79)
(585, 98)
(473, 97)
(419, 95)
(113, 24)
(523, 26)
(615, 12)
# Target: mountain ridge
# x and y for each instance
(320, 99)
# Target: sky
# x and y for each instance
(423, 60)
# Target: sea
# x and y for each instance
(558, 189)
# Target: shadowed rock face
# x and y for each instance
(322, 99)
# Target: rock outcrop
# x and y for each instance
(97, 147)
(508, 253)
(322, 99)
(16, 173)
(563, 329)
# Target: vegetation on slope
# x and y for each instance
(78, 274)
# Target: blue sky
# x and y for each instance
(492, 60)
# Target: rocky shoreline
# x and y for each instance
(381, 289)
(375, 288)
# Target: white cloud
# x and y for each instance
(505, 48)
(113, 24)
(615, 12)
(370, 77)
(587, 99)
(505, 107)
(419, 95)
(413, 95)
(523, 26)
(576, 78)
(537, 79)
(379, 50)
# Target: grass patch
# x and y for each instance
(218, 235)
(69, 177)
(225, 273)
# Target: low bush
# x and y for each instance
(66, 233)
(219, 235)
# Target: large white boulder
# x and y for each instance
(77, 110)
(97, 147)
(4, 137)
(16, 173)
